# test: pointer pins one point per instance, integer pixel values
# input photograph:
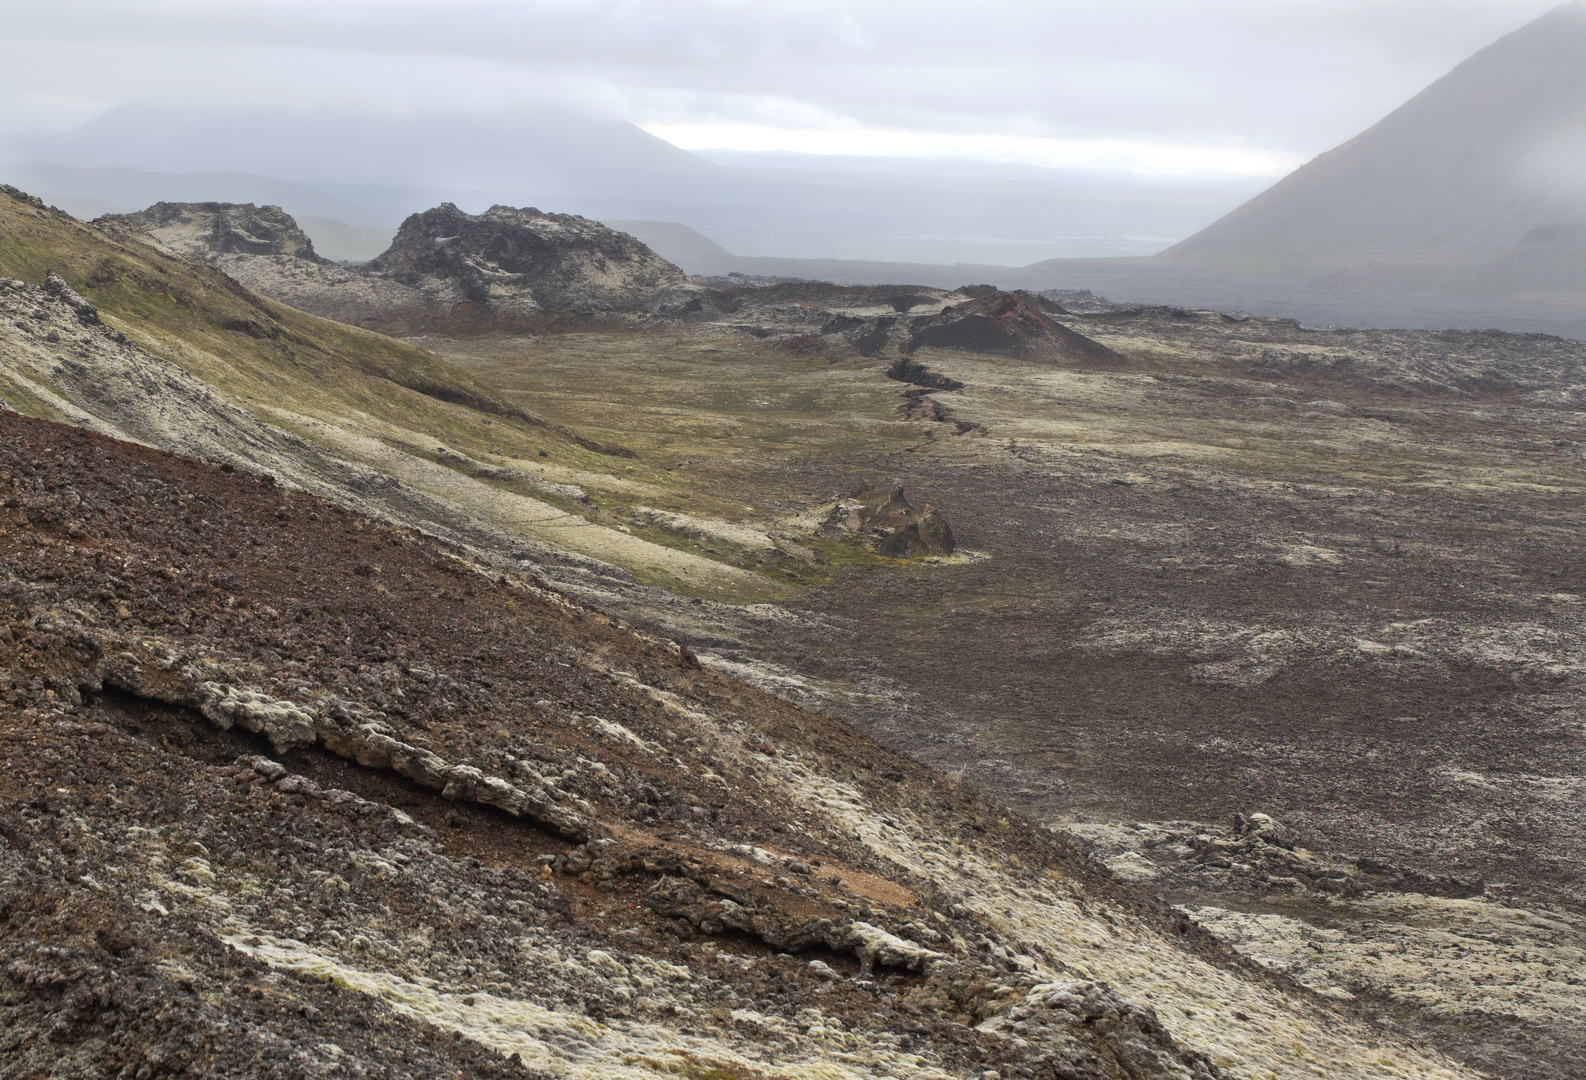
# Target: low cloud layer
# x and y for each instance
(1242, 87)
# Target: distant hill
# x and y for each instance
(689, 248)
(372, 171)
(1454, 180)
(542, 150)
(86, 191)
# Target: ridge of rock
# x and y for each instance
(447, 271)
(509, 267)
(889, 524)
(1009, 324)
(202, 230)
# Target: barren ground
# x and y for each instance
(1331, 576)
(293, 792)
(1239, 566)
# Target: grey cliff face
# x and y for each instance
(204, 230)
(447, 271)
(508, 263)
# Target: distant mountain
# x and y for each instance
(689, 248)
(1452, 181)
(373, 171)
(87, 191)
(511, 151)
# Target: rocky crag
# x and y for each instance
(882, 518)
(202, 230)
(447, 271)
(508, 269)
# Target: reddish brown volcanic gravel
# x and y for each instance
(140, 588)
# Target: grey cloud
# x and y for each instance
(386, 108)
(1279, 73)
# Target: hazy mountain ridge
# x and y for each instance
(1422, 221)
(372, 171)
(1452, 179)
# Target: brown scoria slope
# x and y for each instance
(1008, 324)
(289, 792)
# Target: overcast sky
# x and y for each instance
(1187, 87)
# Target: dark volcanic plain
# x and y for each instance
(1335, 577)
(177, 558)
(1245, 566)
(679, 876)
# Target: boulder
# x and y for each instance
(1262, 827)
(886, 522)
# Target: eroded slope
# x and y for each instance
(289, 790)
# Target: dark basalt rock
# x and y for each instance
(889, 524)
(447, 271)
(508, 265)
(213, 228)
(1006, 324)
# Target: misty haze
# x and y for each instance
(746, 541)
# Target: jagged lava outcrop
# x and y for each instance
(447, 271)
(264, 249)
(882, 517)
(201, 230)
(508, 268)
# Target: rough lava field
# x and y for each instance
(1242, 566)
(1242, 676)
(291, 792)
